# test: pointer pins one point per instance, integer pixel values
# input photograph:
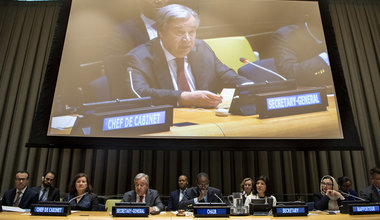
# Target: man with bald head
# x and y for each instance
(202, 193)
(177, 195)
(178, 69)
(142, 194)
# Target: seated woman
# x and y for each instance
(80, 195)
(345, 186)
(328, 198)
(246, 188)
(261, 190)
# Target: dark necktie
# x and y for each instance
(18, 198)
(43, 195)
(141, 198)
(183, 85)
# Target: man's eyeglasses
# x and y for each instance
(21, 179)
(203, 185)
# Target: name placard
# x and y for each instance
(283, 211)
(364, 209)
(50, 209)
(134, 121)
(130, 211)
(291, 102)
(211, 211)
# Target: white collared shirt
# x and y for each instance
(173, 69)
(42, 192)
(138, 198)
(22, 193)
(152, 32)
(181, 194)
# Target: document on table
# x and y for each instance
(62, 122)
(227, 95)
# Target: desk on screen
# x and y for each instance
(170, 216)
(311, 125)
(204, 122)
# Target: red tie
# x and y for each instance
(183, 85)
(141, 198)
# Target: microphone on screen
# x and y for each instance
(130, 70)
(349, 195)
(245, 60)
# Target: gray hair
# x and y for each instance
(174, 11)
(142, 175)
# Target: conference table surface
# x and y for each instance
(197, 122)
(83, 215)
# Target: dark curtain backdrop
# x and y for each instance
(26, 35)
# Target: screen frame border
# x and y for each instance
(39, 138)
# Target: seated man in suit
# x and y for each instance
(21, 196)
(201, 193)
(46, 191)
(137, 29)
(177, 69)
(177, 195)
(143, 194)
(300, 53)
(372, 192)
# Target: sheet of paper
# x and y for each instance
(227, 95)
(62, 122)
(14, 209)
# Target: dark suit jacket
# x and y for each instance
(152, 76)
(370, 193)
(28, 198)
(152, 198)
(297, 56)
(173, 200)
(126, 36)
(88, 202)
(322, 202)
(53, 194)
(193, 192)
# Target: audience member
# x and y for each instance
(143, 194)
(21, 196)
(372, 192)
(202, 193)
(300, 53)
(80, 195)
(46, 191)
(137, 29)
(345, 186)
(177, 195)
(262, 190)
(246, 188)
(328, 198)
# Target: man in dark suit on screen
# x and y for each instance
(201, 193)
(21, 196)
(143, 194)
(138, 29)
(46, 191)
(372, 192)
(177, 69)
(177, 195)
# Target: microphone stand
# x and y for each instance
(349, 195)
